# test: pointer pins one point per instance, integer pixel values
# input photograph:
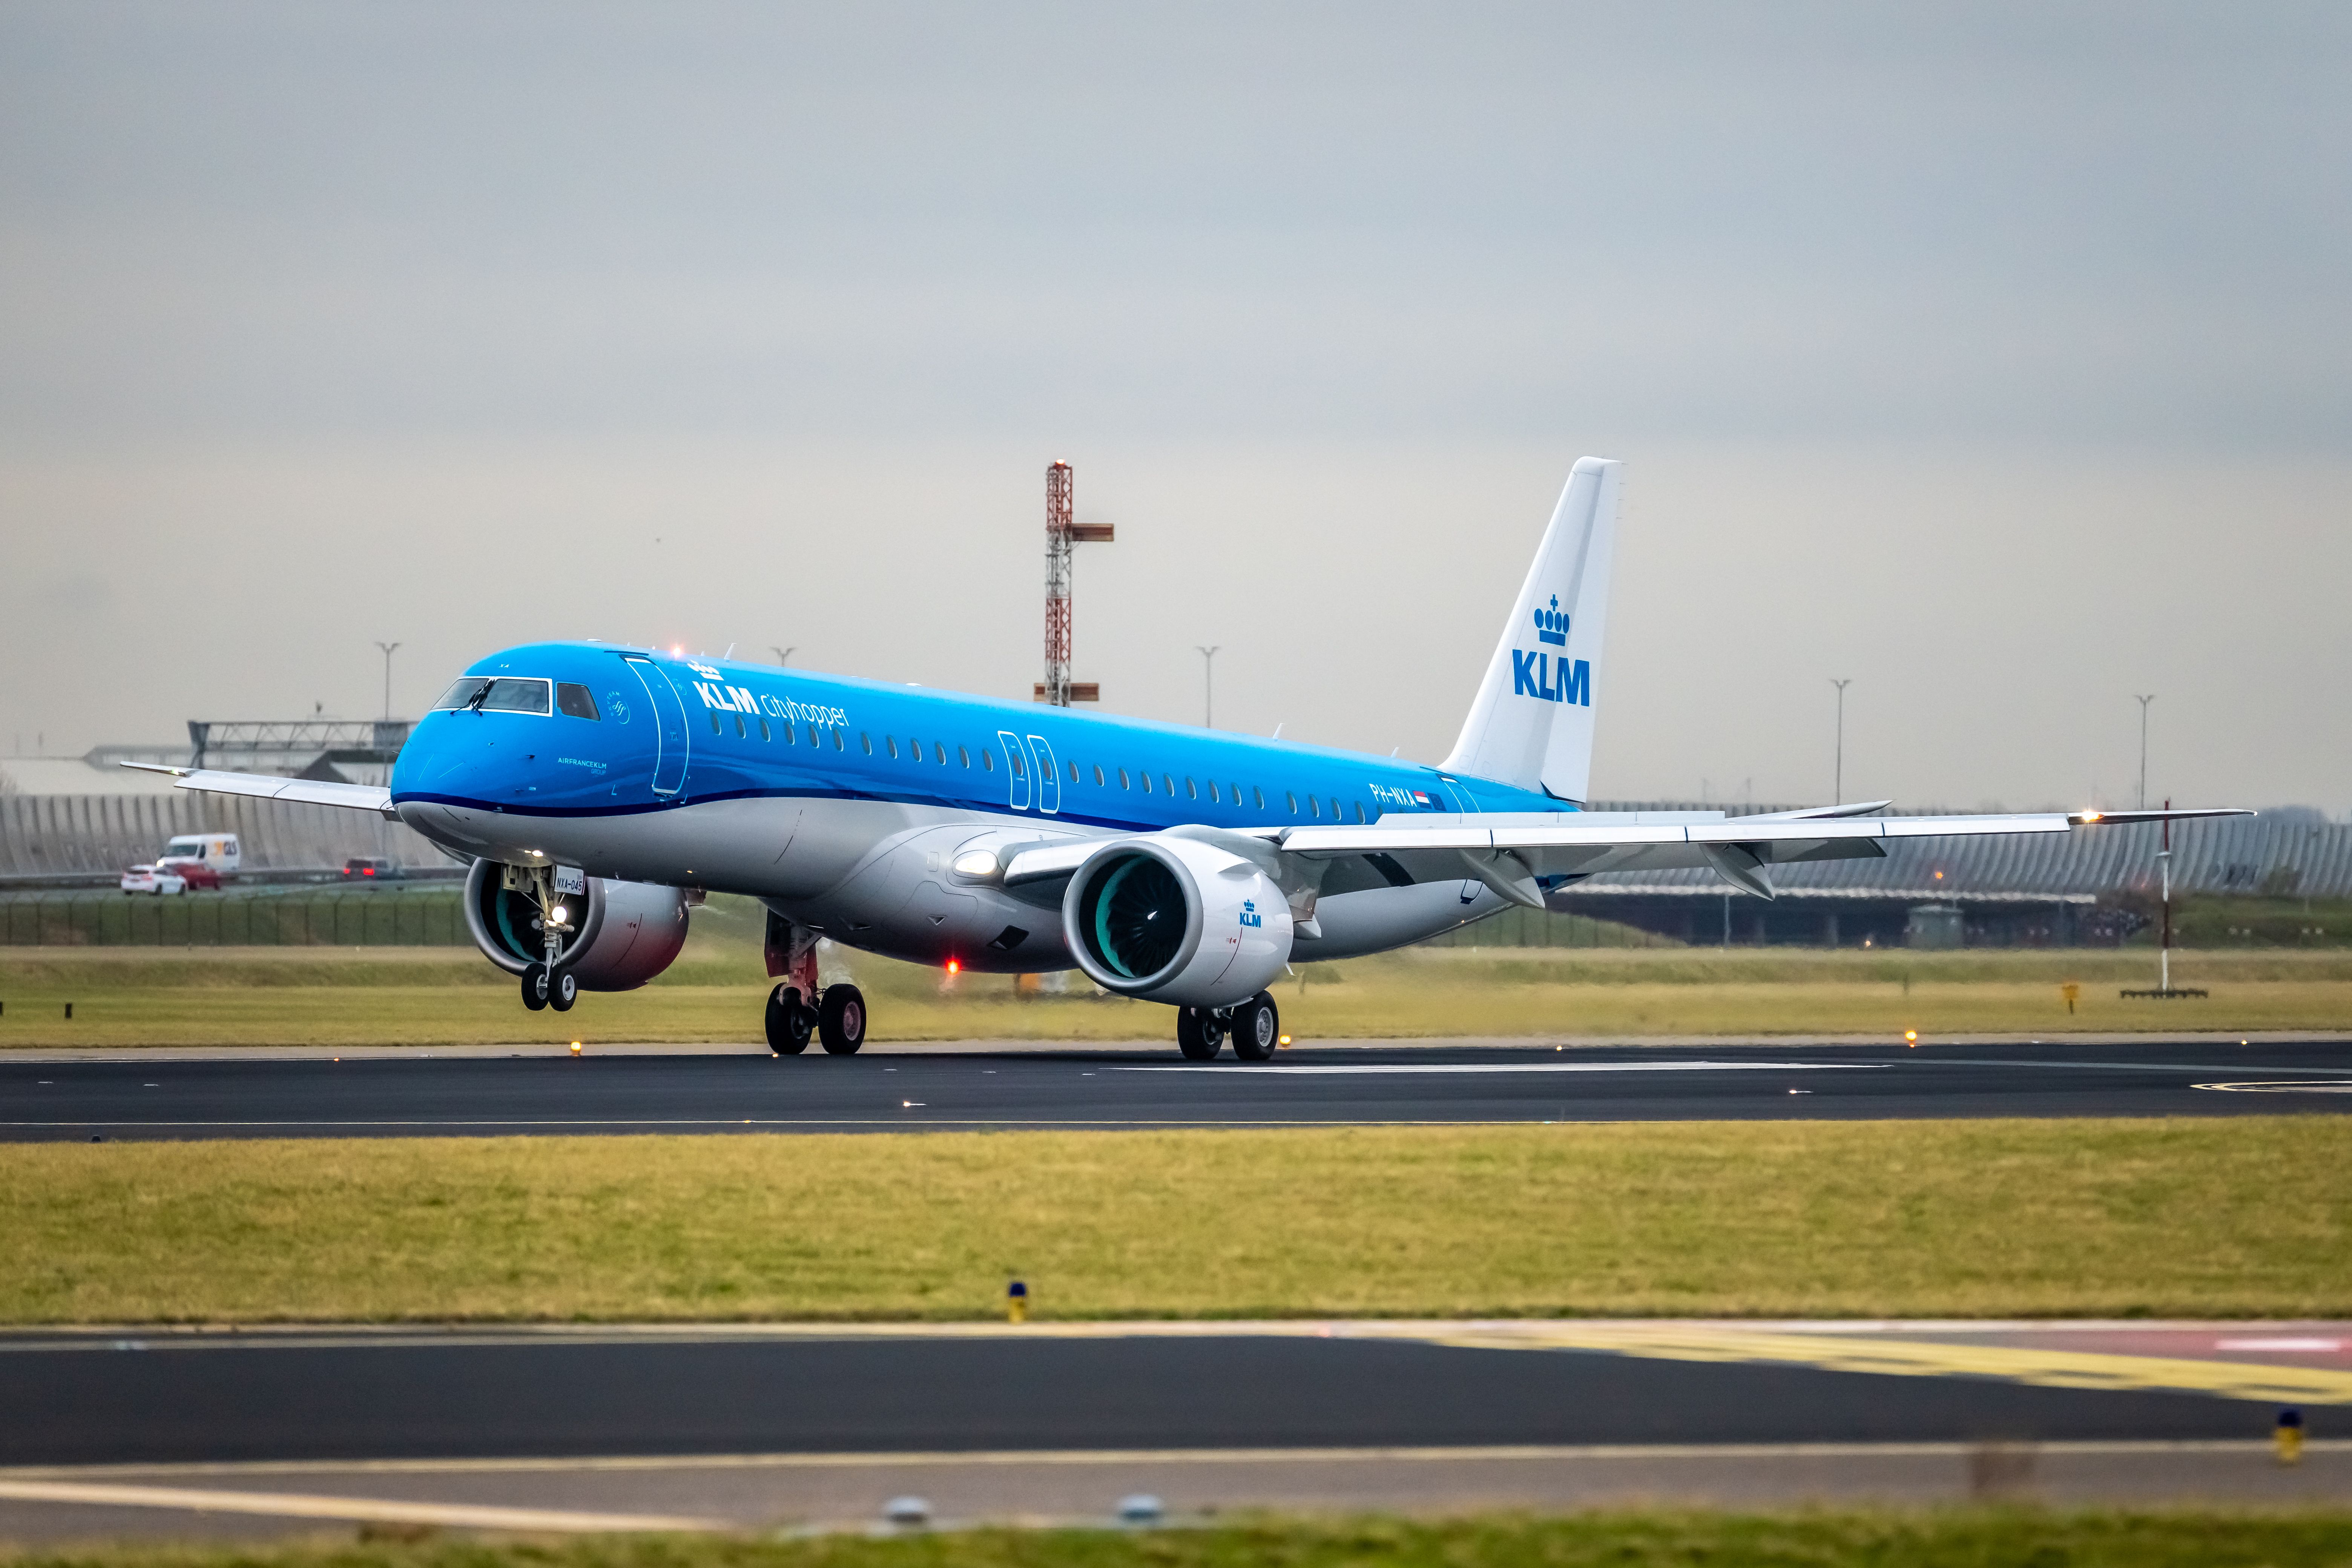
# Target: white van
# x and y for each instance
(217, 850)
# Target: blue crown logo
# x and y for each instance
(1552, 626)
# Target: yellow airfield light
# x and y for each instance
(575, 1047)
(1911, 1037)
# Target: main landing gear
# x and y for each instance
(838, 1017)
(1254, 1027)
(838, 1020)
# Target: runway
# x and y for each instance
(719, 1427)
(424, 1092)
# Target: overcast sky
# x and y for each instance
(1998, 357)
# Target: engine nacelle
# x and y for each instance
(1173, 920)
(618, 936)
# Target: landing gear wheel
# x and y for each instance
(534, 986)
(1199, 1034)
(565, 991)
(788, 1022)
(1258, 1029)
(841, 1019)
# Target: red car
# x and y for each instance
(194, 873)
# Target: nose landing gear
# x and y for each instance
(544, 983)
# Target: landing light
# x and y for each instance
(2092, 816)
(954, 967)
(976, 863)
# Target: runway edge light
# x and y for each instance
(1016, 1302)
(2288, 1437)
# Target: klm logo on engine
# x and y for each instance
(1250, 917)
(1550, 677)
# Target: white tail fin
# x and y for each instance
(1531, 725)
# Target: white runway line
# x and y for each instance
(2305, 1086)
(301, 1505)
(1379, 1069)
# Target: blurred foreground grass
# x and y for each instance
(2224, 1218)
(387, 996)
(1820, 1538)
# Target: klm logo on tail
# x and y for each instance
(1549, 679)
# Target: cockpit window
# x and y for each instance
(575, 698)
(504, 694)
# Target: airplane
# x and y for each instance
(601, 789)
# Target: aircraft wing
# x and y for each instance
(1514, 853)
(269, 786)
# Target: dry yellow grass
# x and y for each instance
(2244, 1217)
(424, 996)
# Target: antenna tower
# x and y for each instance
(1061, 535)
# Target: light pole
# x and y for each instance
(1837, 789)
(387, 648)
(783, 655)
(2143, 702)
(1208, 686)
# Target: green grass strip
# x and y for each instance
(2246, 1216)
(1958, 1538)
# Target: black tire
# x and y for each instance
(841, 1020)
(1258, 1029)
(534, 986)
(788, 1022)
(565, 991)
(1199, 1035)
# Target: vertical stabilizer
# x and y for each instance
(1531, 724)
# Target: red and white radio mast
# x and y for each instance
(1061, 535)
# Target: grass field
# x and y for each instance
(131, 996)
(2238, 1218)
(1953, 1538)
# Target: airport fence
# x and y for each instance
(307, 917)
(1541, 928)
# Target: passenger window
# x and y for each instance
(1313, 809)
(839, 743)
(1122, 780)
(1099, 778)
(987, 759)
(1335, 808)
(763, 731)
(1212, 791)
(1168, 783)
(574, 698)
(740, 734)
(914, 749)
(1073, 772)
(787, 729)
(865, 740)
(1147, 782)
(940, 754)
(892, 741)
(1360, 811)
(1292, 800)
(714, 723)
(963, 756)
(811, 734)
(1014, 757)
(1236, 790)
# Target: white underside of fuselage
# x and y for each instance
(877, 875)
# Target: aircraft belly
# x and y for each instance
(1354, 924)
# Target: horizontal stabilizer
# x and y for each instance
(269, 786)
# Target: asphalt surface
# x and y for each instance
(264, 1397)
(422, 1093)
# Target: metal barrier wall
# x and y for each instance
(62, 835)
(344, 917)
